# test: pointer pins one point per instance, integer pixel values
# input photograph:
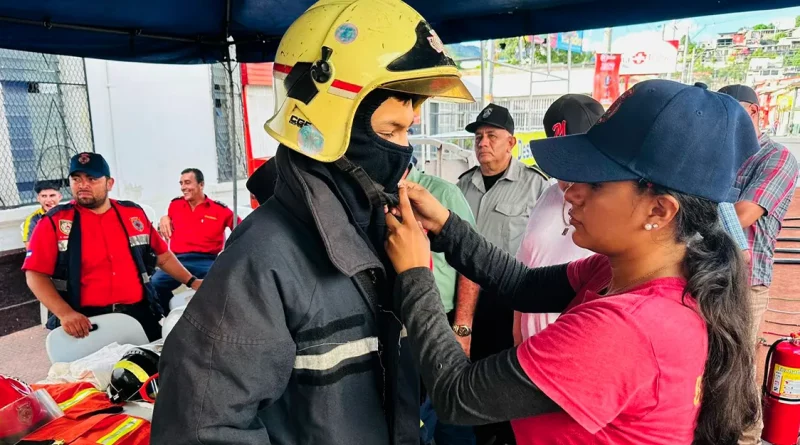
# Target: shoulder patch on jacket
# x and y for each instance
(220, 203)
(468, 171)
(538, 170)
(129, 204)
(59, 208)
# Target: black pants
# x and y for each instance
(140, 311)
(492, 332)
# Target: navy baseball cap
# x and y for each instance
(681, 137)
(92, 164)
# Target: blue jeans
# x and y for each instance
(197, 264)
(442, 433)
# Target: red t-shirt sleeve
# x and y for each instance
(585, 271)
(594, 362)
(156, 242)
(43, 249)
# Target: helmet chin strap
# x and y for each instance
(375, 192)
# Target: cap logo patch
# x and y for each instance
(137, 223)
(346, 33)
(84, 158)
(436, 42)
(486, 113)
(560, 129)
(615, 106)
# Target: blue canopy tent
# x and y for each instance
(202, 31)
(199, 31)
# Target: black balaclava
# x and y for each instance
(383, 161)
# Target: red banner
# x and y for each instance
(606, 78)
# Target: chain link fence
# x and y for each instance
(44, 120)
(221, 95)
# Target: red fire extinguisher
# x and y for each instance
(781, 390)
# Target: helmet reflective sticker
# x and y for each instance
(310, 139)
(346, 33)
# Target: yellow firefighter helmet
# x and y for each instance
(336, 53)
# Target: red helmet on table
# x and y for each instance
(23, 410)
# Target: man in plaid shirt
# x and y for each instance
(767, 181)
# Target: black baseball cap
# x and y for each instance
(741, 93)
(682, 137)
(571, 114)
(92, 164)
(46, 185)
(494, 116)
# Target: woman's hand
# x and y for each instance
(427, 209)
(406, 243)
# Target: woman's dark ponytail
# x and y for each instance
(717, 279)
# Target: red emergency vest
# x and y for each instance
(67, 273)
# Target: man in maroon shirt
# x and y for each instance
(195, 227)
(94, 255)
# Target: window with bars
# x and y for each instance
(44, 120)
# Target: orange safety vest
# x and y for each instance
(89, 418)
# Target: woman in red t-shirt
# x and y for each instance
(653, 346)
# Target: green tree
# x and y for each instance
(780, 35)
(508, 50)
(797, 22)
(763, 54)
(794, 60)
(761, 27)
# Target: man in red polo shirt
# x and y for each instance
(195, 227)
(94, 255)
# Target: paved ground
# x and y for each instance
(23, 355)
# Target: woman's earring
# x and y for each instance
(655, 226)
(648, 227)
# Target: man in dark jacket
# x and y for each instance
(261, 184)
(292, 338)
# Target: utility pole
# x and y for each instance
(608, 39)
(490, 86)
(569, 65)
(529, 111)
(685, 75)
(549, 46)
(483, 74)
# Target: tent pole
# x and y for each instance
(233, 141)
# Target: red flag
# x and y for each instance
(606, 78)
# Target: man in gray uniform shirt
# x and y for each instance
(501, 192)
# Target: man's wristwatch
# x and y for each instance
(461, 330)
(191, 281)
